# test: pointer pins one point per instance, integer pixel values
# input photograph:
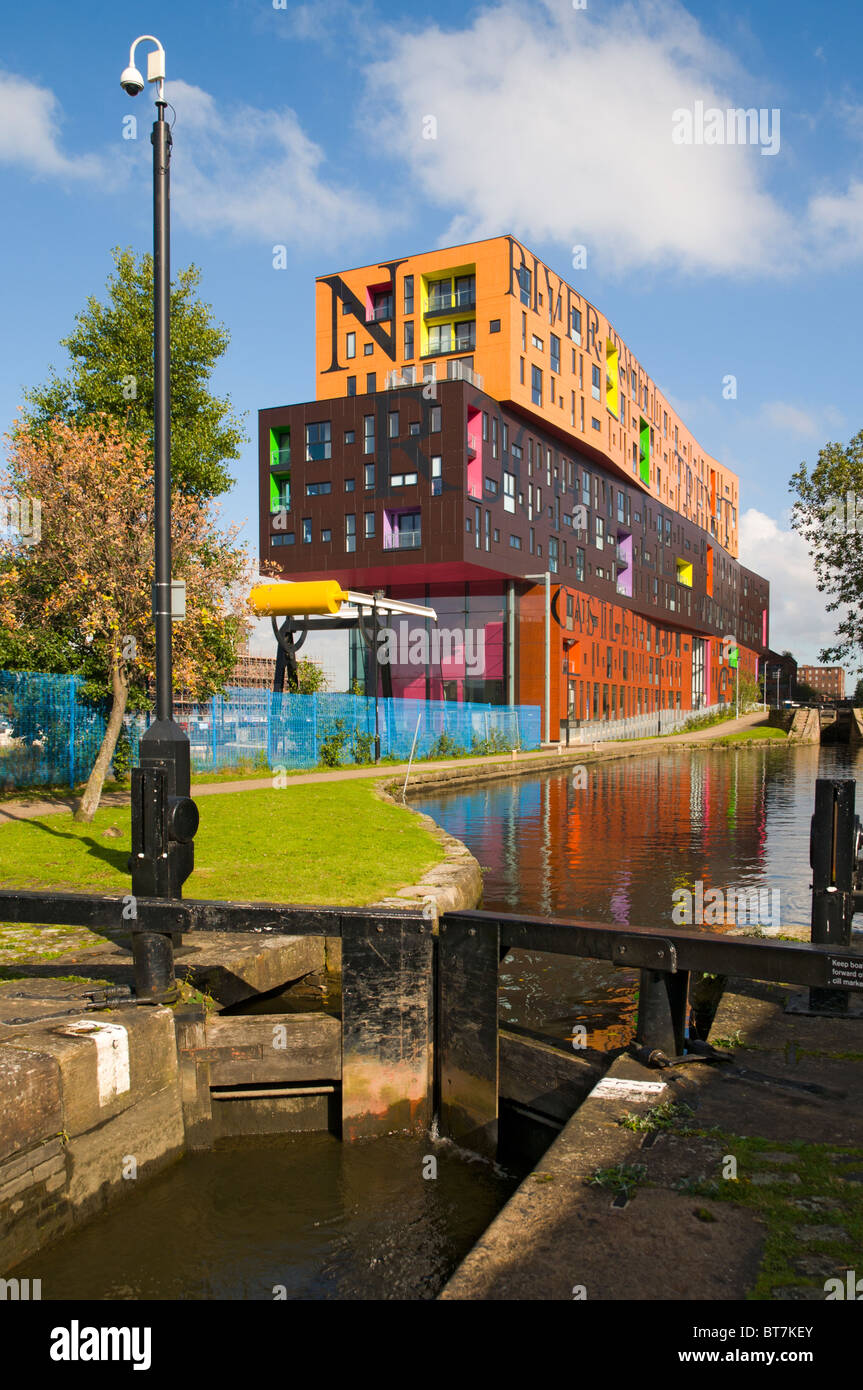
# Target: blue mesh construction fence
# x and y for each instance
(49, 736)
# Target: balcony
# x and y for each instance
(395, 380)
(382, 309)
(448, 303)
(408, 540)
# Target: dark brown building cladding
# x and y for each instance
(622, 547)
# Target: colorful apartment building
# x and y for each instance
(478, 424)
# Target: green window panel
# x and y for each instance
(644, 449)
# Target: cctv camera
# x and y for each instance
(132, 82)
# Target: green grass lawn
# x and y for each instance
(760, 731)
(330, 843)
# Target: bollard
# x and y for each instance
(164, 822)
(832, 859)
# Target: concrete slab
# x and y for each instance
(230, 966)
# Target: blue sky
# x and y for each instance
(302, 126)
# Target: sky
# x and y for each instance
(302, 126)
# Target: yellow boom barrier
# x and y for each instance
(287, 600)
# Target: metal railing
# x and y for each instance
(662, 721)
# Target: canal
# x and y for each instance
(305, 1217)
(612, 841)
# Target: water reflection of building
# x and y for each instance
(478, 423)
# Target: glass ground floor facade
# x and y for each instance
(489, 646)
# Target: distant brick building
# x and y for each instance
(828, 681)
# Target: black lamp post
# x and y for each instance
(164, 817)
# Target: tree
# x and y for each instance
(111, 374)
(828, 514)
(858, 694)
(311, 676)
(89, 578)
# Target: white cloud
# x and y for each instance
(557, 124)
(799, 621)
(256, 173)
(30, 118)
(790, 419)
(836, 224)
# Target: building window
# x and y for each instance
(414, 428)
(382, 305)
(403, 479)
(409, 294)
(465, 336)
(318, 489)
(536, 385)
(515, 542)
(318, 441)
(351, 345)
(575, 326)
(554, 349)
(521, 371)
(524, 283)
(437, 480)
(352, 386)
(553, 553)
(440, 337)
(368, 434)
(393, 424)
(579, 563)
(307, 530)
(596, 379)
(435, 419)
(289, 538)
(349, 485)
(371, 383)
(491, 486)
(349, 436)
(326, 535)
(368, 349)
(350, 532)
(409, 341)
(370, 525)
(508, 492)
(495, 437)
(494, 326)
(369, 475)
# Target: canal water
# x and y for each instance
(612, 841)
(305, 1217)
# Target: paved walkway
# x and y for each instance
(24, 809)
